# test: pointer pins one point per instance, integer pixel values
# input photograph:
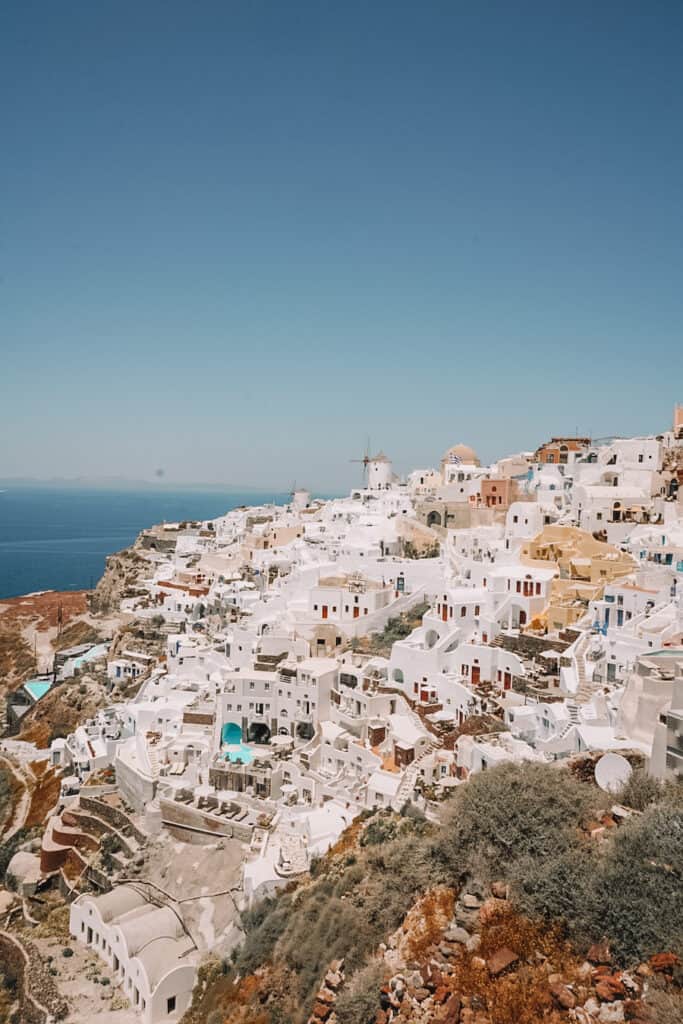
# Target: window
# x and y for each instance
(170, 1004)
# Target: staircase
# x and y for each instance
(410, 775)
(585, 688)
(574, 719)
(153, 756)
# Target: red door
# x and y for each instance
(356, 612)
(476, 672)
(507, 681)
(324, 611)
(444, 612)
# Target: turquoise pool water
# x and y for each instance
(231, 737)
(239, 752)
(37, 688)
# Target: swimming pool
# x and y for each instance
(239, 752)
(231, 740)
(37, 688)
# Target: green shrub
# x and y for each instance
(560, 888)
(640, 883)
(640, 791)
(379, 830)
(358, 1001)
(263, 926)
(512, 813)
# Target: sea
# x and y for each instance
(55, 538)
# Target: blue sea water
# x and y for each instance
(58, 539)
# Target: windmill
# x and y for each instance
(292, 490)
(365, 460)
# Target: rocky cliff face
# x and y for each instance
(120, 579)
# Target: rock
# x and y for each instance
(470, 901)
(501, 960)
(441, 995)
(610, 988)
(321, 1011)
(421, 994)
(457, 935)
(629, 981)
(451, 1010)
(592, 1006)
(489, 909)
(333, 980)
(585, 970)
(611, 1013)
(644, 971)
(500, 890)
(663, 962)
(381, 1017)
(478, 963)
(563, 996)
(325, 995)
(466, 918)
(599, 953)
(473, 943)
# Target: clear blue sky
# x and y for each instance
(236, 238)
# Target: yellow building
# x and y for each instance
(585, 565)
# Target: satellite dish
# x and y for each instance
(612, 772)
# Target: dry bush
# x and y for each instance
(666, 1002)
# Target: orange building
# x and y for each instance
(498, 493)
(558, 448)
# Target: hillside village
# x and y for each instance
(269, 680)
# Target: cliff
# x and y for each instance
(122, 573)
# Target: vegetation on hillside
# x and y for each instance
(518, 824)
(17, 660)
